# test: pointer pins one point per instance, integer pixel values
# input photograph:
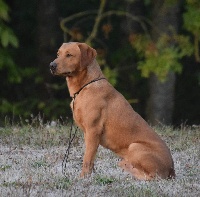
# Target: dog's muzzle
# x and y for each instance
(53, 66)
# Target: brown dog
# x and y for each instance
(106, 118)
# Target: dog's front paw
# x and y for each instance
(86, 170)
(84, 174)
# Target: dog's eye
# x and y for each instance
(68, 55)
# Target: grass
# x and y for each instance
(31, 155)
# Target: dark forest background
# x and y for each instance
(149, 50)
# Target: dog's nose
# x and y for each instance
(53, 66)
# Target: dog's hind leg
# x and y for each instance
(138, 174)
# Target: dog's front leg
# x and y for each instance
(92, 140)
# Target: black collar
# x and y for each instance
(75, 94)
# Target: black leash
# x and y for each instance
(70, 140)
(72, 134)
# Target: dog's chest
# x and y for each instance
(77, 114)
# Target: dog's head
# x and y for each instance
(72, 58)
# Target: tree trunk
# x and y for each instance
(130, 27)
(136, 8)
(161, 102)
(48, 28)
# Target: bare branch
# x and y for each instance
(100, 16)
(97, 22)
(196, 47)
(123, 13)
(72, 17)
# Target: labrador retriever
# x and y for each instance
(107, 119)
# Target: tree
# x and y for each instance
(47, 41)
(161, 52)
(28, 88)
(161, 102)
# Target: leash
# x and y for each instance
(70, 140)
(75, 94)
(72, 134)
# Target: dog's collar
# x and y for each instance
(75, 94)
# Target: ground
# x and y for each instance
(31, 156)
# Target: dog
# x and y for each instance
(107, 119)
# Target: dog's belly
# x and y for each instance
(118, 146)
(107, 143)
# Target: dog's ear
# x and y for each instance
(87, 54)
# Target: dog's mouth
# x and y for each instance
(65, 74)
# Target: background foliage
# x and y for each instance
(127, 58)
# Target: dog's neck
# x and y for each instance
(75, 83)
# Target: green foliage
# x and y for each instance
(5, 167)
(111, 75)
(191, 20)
(192, 16)
(39, 163)
(162, 56)
(16, 108)
(7, 38)
(104, 180)
(23, 86)
(4, 11)
(62, 183)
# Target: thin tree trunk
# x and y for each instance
(131, 27)
(136, 8)
(48, 28)
(161, 102)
